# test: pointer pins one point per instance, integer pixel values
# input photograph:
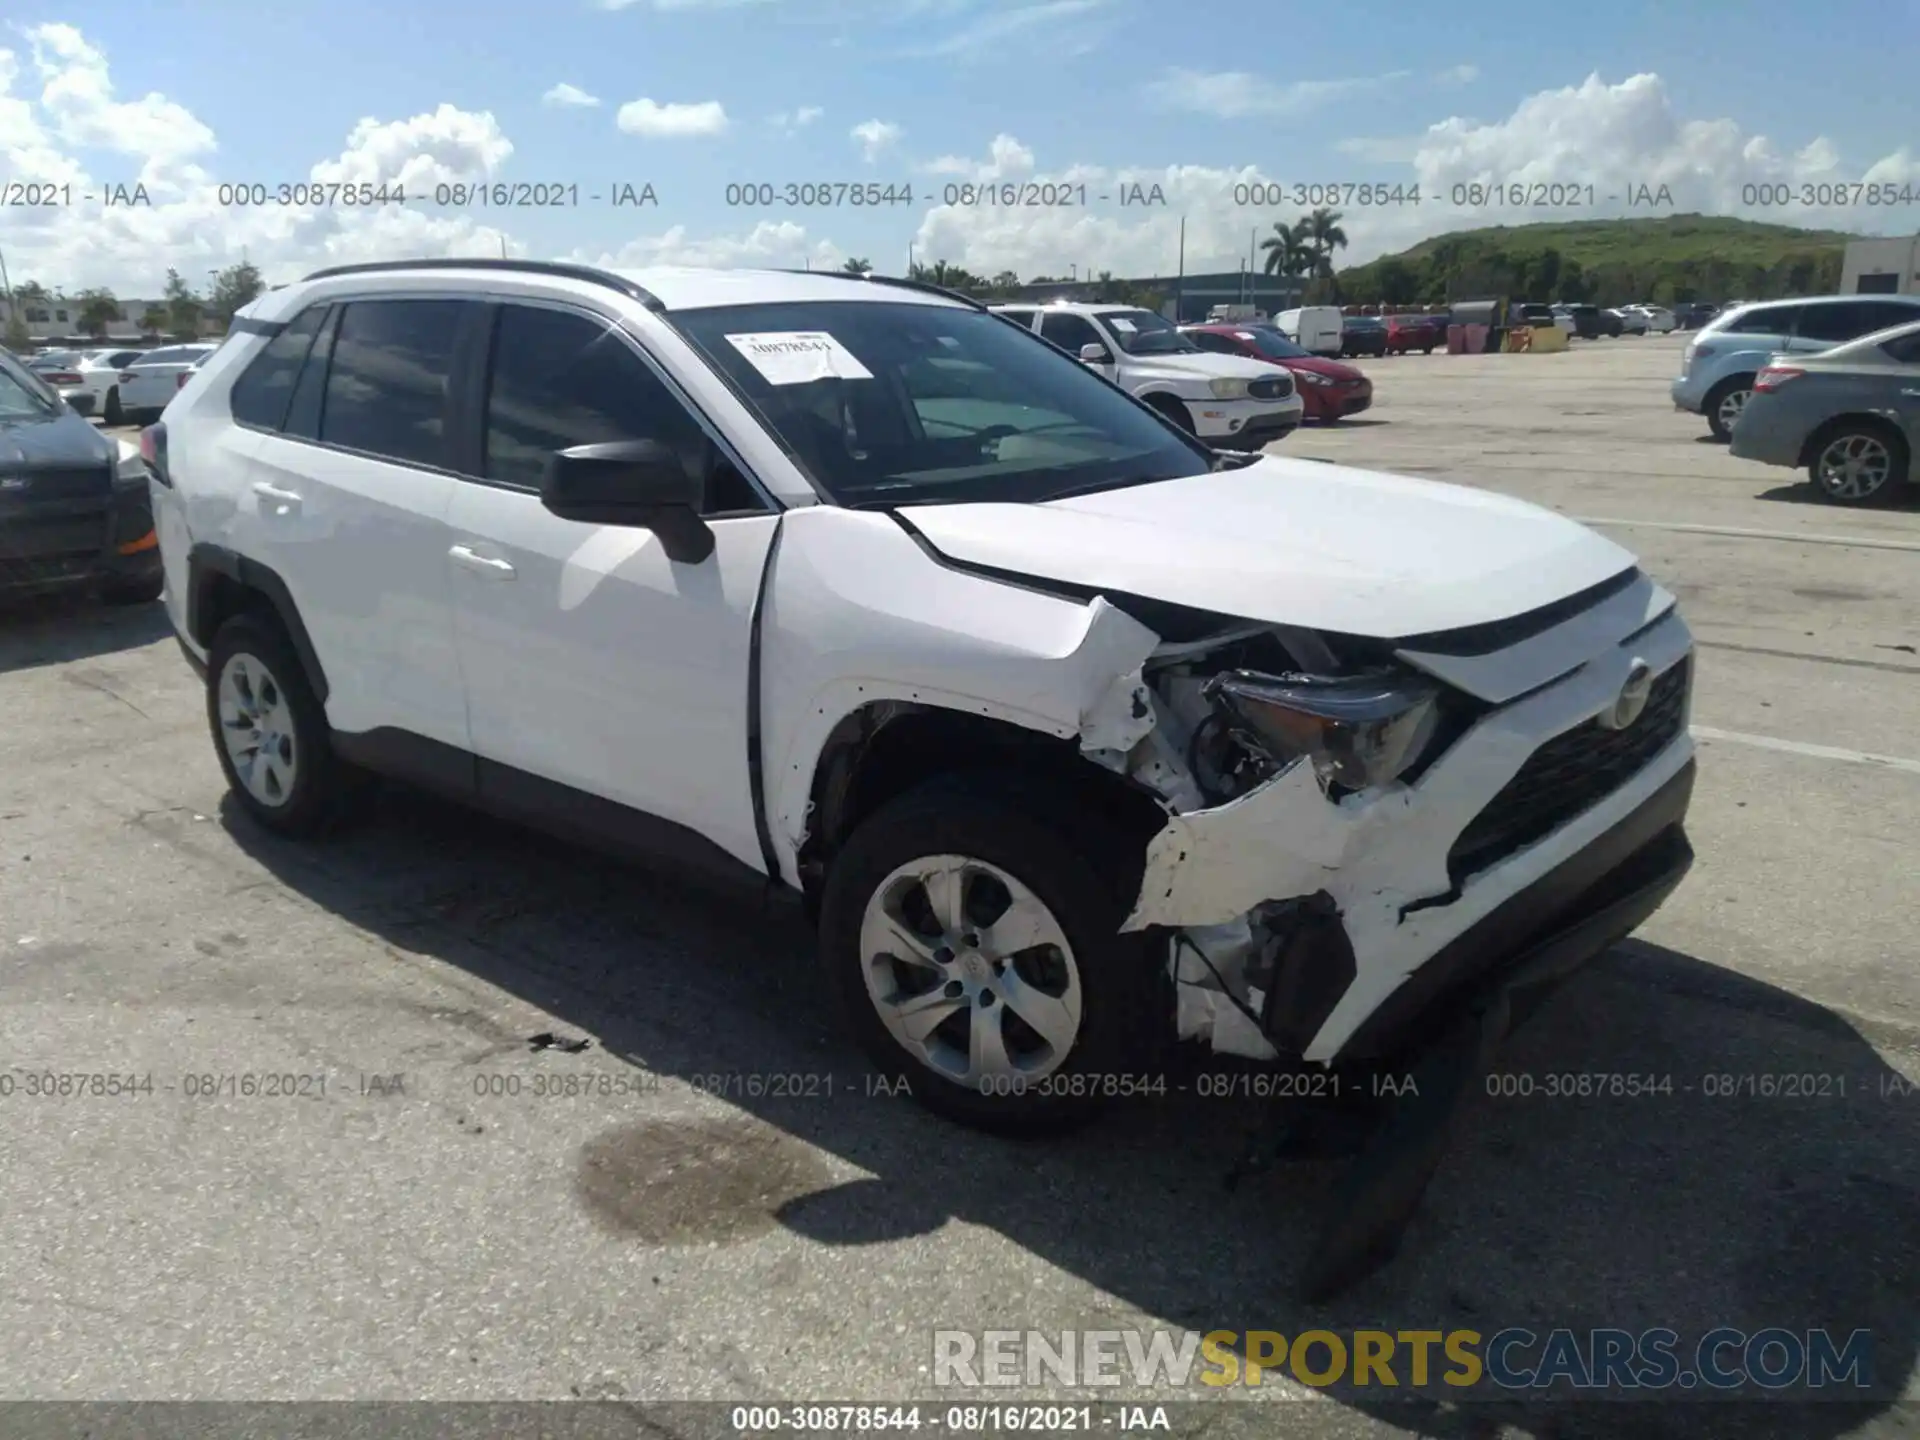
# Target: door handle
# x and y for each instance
(286, 499)
(481, 564)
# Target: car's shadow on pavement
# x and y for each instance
(49, 629)
(1804, 493)
(1682, 1207)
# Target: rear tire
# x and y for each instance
(952, 1019)
(270, 732)
(1725, 402)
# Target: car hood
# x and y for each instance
(1292, 542)
(1332, 369)
(66, 439)
(1202, 366)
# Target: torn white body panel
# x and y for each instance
(1377, 853)
(857, 613)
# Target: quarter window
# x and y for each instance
(560, 379)
(261, 393)
(386, 389)
(1768, 320)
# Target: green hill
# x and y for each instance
(1609, 262)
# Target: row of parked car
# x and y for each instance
(1829, 384)
(121, 386)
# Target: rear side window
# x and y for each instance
(1070, 332)
(303, 414)
(1905, 349)
(1022, 318)
(386, 389)
(261, 393)
(1847, 320)
(1766, 320)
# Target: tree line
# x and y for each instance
(181, 311)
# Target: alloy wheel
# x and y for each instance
(1732, 404)
(1854, 466)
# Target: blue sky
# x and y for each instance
(1708, 98)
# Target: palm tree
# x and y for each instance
(1323, 235)
(1286, 254)
(857, 267)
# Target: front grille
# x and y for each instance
(1276, 387)
(1568, 775)
(34, 539)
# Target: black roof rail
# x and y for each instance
(897, 283)
(558, 269)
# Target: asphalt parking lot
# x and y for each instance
(414, 1223)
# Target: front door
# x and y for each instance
(591, 659)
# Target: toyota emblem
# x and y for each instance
(1631, 702)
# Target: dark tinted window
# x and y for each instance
(261, 393)
(1765, 320)
(561, 380)
(1885, 314)
(1022, 318)
(1906, 349)
(1069, 332)
(1846, 320)
(1209, 341)
(303, 415)
(387, 386)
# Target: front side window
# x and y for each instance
(387, 385)
(1903, 349)
(1141, 332)
(904, 403)
(261, 393)
(561, 379)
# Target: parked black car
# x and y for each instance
(73, 513)
(1587, 324)
(1693, 314)
(1363, 335)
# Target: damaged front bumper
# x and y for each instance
(1325, 931)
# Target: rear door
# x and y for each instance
(347, 500)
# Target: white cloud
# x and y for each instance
(443, 146)
(997, 27)
(569, 95)
(790, 121)
(1459, 75)
(1006, 159)
(876, 137)
(673, 119)
(77, 98)
(772, 244)
(1239, 95)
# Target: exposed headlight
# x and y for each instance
(1228, 389)
(1312, 377)
(1358, 731)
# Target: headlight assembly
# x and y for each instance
(1229, 389)
(1357, 731)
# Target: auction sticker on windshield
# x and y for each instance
(1122, 324)
(798, 357)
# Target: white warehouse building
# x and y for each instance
(1882, 267)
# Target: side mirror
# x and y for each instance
(1096, 354)
(636, 483)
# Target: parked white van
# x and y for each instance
(1315, 328)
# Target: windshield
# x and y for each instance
(1141, 332)
(1274, 345)
(889, 403)
(22, 395)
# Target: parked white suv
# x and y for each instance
(1227, 400)
(1073, 733)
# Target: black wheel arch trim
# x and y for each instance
(206, 562)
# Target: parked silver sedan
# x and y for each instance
(1850, 415)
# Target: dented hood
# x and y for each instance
(1293, 542)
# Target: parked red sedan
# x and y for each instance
(1407, 333)
(1329, 390)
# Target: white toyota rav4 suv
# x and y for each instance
(1227, 400)
(1072, 733)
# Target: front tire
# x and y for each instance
(1859, 463)
(1725, 403)
(270, 732)
(976, 953)
(1175, 410)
